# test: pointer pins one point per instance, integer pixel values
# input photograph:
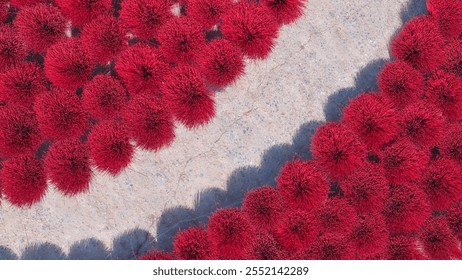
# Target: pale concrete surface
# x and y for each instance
(329, 55)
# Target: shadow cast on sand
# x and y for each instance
(135, 242)
(125, 246)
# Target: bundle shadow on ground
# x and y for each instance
(125, 246)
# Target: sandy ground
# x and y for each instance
(329, 55)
